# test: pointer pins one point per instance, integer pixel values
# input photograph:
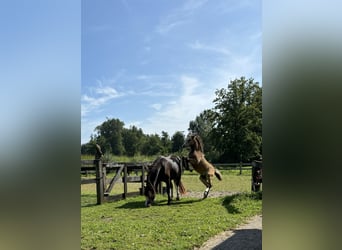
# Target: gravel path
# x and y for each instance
(247, 236)
(212, 194)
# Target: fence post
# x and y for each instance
(99, 181)
(104, 174)
(124, 195)
(143, 180)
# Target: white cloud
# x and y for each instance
(217, 49)
(194, 97)
(179, 16)
(101, 97)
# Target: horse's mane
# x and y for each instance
(198, 143)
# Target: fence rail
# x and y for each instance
(104, 184)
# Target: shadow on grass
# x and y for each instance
(228, 201)
(242, 239)
(157, 203)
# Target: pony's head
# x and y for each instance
(150, 194)
(194, 141)
(152, 179)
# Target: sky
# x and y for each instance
(156, 64)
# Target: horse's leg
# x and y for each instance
(207, 182)
(168, 190)
(177, 189)
(171, 190)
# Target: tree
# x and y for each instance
(109, 136)
(237, 120)
(177, 141)
(132, 139)
(166, 143)
(152, 145)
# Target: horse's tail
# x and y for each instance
(218, 174)
(182, 189)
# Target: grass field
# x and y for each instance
(187, 223)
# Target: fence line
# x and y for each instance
(101, 179)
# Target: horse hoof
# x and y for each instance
(205, 195)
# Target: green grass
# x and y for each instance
(187, 223)
(232, 181)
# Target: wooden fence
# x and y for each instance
(104, 185)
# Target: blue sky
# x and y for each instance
(157, 64)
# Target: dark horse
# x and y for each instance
(199, 163)
(256, 175)
(165, 169)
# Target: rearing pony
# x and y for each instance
(199, 163)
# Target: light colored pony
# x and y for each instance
(199, 163)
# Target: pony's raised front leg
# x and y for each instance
(207, 182)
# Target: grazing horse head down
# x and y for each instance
(165, 169)
(199, 163)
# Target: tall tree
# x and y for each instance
(132, 139)
(166, 142)
(177, 141)
(238, 116)
(109, 134)
(152, 145)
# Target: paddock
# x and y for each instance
(114, 181)
(189, 222)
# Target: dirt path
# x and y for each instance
(246, 236)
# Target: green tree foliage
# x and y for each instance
(152, 145)
(166, 142)
(237, 130)
(132, 140)
(117, 140)
(177, 141)
(109, 136)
